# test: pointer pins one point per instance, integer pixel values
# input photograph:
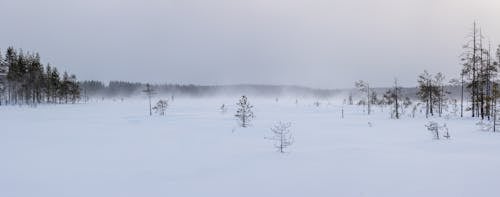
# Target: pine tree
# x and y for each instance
(244, 112)
(374, 98)
(65, 87)
(471, 62)
(149, 92)
(27, 82)
(3, 79)
(48, 83)
(393, 97)
(55, 83)
(480, 70)
(35, 78)
(427, 92)
(74, 89)
(13, 73)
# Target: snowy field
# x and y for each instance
(116, 149)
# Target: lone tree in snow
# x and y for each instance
(244, 112)
(149, 91)
(161, 107)
(364, 88)
(441, 98)
(393, 97)
(282, 136)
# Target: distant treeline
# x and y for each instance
(118, 89)
(129, 89)
(25, 80)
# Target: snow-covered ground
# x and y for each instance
(115, 149)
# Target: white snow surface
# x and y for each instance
(108, 149)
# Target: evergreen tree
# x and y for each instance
(244, 112)
(27, 82)
(427, 92)
(74, 89)
(3, 79)
(149, 92)
(55, 85)
(393, 97)
(65, 86)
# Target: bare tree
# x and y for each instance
(282, 136)
(149, 91)
(161, 107)
(470, 60)
(457, 82)
(342, 112)
(479, 68)
(440, 92)
(244, 112)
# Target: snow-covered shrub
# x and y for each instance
(161, 107)
(434, 128)
(438, 130)
(485, 125)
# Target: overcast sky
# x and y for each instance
(316, 43)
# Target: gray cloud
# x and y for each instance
(319, 43)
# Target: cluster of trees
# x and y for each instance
(25, 80)
(431, 91)
(479, 73)
(392, 97)
(479, 76)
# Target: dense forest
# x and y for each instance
(25, 80)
